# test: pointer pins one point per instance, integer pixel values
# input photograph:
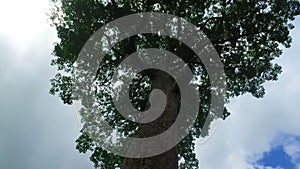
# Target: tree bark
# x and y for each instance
(168, 160)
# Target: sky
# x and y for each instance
(38, 131)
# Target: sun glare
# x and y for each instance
(21, 20)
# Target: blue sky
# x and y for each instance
(38, 131)
(283, 154)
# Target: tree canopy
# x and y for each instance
(248, 36)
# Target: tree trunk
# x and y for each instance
(167, 160)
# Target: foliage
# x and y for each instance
(248, 36)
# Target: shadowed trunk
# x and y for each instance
(168, 160)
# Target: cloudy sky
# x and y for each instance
(38, 131)
(261, 133)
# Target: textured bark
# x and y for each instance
(168, 160)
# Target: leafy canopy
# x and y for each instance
(248, 36)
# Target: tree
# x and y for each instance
(247, 35)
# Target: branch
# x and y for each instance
(130, 49)
(148, 4)
(182, 13)
(110, 46)
(114, 4)
(214, 41)
(133, 5)
(209, 19)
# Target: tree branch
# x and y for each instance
(148, 4)
(209, 19)
(235, 38)
(114, 4)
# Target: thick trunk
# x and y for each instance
(169, 159)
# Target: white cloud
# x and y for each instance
(254, 123)
(37, 131)
(292, 148)
(22, 20)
